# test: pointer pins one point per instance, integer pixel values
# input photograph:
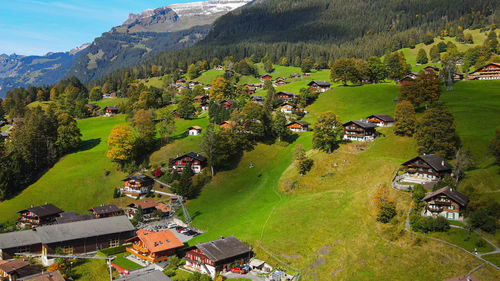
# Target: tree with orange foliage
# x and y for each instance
(221, 89)
(121, 144)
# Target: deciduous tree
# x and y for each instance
(166, 123)
(95, 94)
(405, 120)
(397, 68)
(221, 90)
(121, 144)
(185, 108)
(279, 126)
(68, 134)
(422, 57)
(328, 132)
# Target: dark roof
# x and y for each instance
(46, 276)
(300, 122)
(105, 209)
(73, 217)
(361, 123)
(114, 108)
(192, 155)
(43, 211)
(435, 161)
(223, 248)
(140, 178)
(383, 117)
(13, 265)
(287, 93)
(19, 239)
(450, 193)
(257, 98)
(433, 67)
(320, 83)
(153, 275)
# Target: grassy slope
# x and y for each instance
(109, 102)
(77, 181)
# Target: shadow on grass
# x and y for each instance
(89, 144)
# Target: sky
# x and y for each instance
(36, 27)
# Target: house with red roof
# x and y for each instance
(153, 247)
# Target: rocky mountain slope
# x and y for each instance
(149, 33)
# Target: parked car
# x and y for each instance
(240, 270)
(192, 233)
(180, 229)
(185, 231)
(172, 225)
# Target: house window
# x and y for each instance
(67, 250)
(23, 250)
(114, 243)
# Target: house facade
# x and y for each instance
(148, 207)
(110, 111)
(196, 161)
(38, 216)
(490, 71)
(425, 168)
(137, 185)
(218, 255)
(359, 130)
(287, 108)
(194, 130)
(265, 77)
(298, 126)
(320, 86)
(152, 247)
(445, 202)
(287, 96)
(106, 211)
(17, 269)
(381, 120)
(257, 99)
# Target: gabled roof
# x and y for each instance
(435, 161)
(113, 108)
(83, 229)
(105, 209)
(194, 128)
(450, 193)
(144, 204)
(361, 123)
(139, 178)
(287, 93)
(383, 117)
(71, 216)
(192, 155)
(432, 67)
(159, 241)
(19, 239)
(44, 210)
(46, 276)
(300, 122)
(223, 248)
(13, 265)
(320, 83)
(257, 98)
(491, 63)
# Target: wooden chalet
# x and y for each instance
(46, 276)
(359, 130)
(73, 238)
(458, 77)
(227, 125)
(201, 99)
(179, 82)
(430, 68)
(137, 185)
(287, 108)
(39, 215)
(18, 269)
(298, 126)
(251, 88)
(110, 110)
(410, 77)
(287, 96)
(426, 168)
(381, 120)
(257, 99)
(491, 71)
(446, 202)
(265, 77)
(148, 207)
(321, 86)
(281, 83)
(194, 130)
(218, 256)
(196, 161)
(106, 211)
(152, 247)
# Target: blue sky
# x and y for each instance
(35, 27)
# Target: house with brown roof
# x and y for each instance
(137, 185)
(227, 125)
(287, 96)
(197, 162)
(359, 130)
(71, 216)
(13, 270)
(39, 215)
(152, 247)
(381, 120)
(194, 130)
(148, 206)
(46, 276)
(491, 71)
(105, 211)
(110, 111)
(321, 86)
(425, 168)
(287, 108)
(446, 202)
(265, 77)
(217, 256)
(298, 126)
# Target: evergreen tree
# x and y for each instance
(209, 145)
(68, 134)
(185, 187)
(279, 126)
(166, 123)
(436, 132)
(328, 132)
(422, 57)
(405, 120)
(271, 99)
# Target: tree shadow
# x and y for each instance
(195, 214)
(89, 144)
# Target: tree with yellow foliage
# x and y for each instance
(221, 89)
(121, 144)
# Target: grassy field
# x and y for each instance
(460, 237)
(125, 263)
(92, 270)
(72, 184)
(109, 102)
(494, 258)
(208, 76)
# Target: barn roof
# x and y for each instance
(223, 248)
(192, 155)
(320, 83)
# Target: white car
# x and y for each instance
(184, 231)
(171, 225)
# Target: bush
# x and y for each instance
(429, 224)
(480, 219)
(386, 212)
(169, 272)
(112, 251)
(418, 193)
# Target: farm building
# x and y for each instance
(226, 125)
(201, 99)
(446, 202)
(152, 247)
(73, 238)
(137, 185)
(196, 161)
(298, 126)
(359, 130)
(321, 86)
(46, 276)
(425, 168)
(194, 130)
(381, 120)
(39, 215)
(106, 211)
(218, 255)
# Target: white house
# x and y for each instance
(194, 131)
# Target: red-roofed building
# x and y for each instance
(154, 246)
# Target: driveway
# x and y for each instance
(248, 276)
